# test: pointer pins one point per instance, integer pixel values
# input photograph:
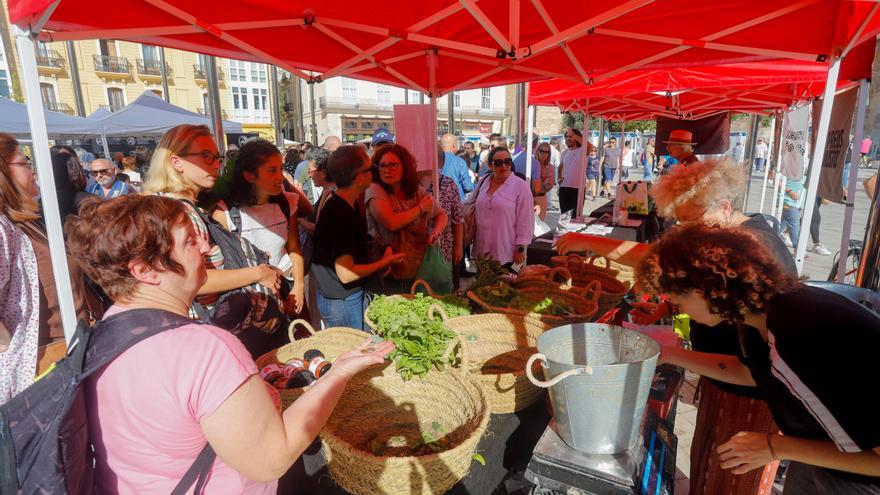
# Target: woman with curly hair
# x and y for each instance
(706, 193)
(399, 210)
(809, 378)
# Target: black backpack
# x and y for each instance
(252, 313)
(44, 430)
(281, 201)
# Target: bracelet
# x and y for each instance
(770, 446)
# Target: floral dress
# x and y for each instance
(451, 204)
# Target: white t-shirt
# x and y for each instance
(265, 226)
(627, 158)
(572, 164)
(761, 150)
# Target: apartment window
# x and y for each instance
(367, 124)
(486, 98)
(383, 94)
(4, 83)
(456, 99)
(115, 98)
(350, 124)
(151, 53)
(254, 76)
(48, 92)
(42, 49)
(205, 104)
(108, 48)
(413, 96)
(264, 95)
(233, 70)
(349, 90)
(262, 73)
(240, 98)
(257, 99)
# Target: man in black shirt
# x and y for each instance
(340, 261)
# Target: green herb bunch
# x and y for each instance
(502, 294)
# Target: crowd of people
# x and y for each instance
(315, 233)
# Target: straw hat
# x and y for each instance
(680, 136)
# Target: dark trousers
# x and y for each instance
(803, 478)
(568, 199)
(815, 221)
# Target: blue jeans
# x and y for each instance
(759, 164)
(791, 220)
(348, 312)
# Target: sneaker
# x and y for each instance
(820, 249)
(787, 240)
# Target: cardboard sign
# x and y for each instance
(416, 132)
(836, 144)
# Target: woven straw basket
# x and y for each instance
(498, 346)
(369, 440)
(332, 342)
(584, 308)
(412, 294)
(583, 272)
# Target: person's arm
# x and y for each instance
(383, 212)
(297, 263)
(303, 207)
(253, 438)
(230, 279)
(467, 184)
(524, 228)
(627, 253)
(749, 450)
(457, 242)
(348, 271)
(306, 225)
(721, 367)
(441, 220)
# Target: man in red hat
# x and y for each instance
(680, 146)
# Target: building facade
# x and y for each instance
(354, 109)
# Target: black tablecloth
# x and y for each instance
(507, 447)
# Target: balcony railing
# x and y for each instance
(152, 67)
(201, 72)
(55, 106)
(373, 104)
(113, 107)
(50, 58)
(110, 64)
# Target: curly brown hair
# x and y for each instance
(409, 183)
(108, 235)
(735, 272)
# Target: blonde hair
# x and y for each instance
(162, 177)
(700, 185)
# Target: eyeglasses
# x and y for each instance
(506, 161)
(387, 165)
(27, 163)
(544, 151)
(365, 170)
(207, 156)
(105, 171)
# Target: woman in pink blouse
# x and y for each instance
(505, 215)
(153, 409)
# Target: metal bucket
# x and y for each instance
(599, 378)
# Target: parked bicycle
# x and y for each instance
(853, 257)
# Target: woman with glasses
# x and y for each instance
(545, 179)
(31, 335)
(400, 212)
(185, 164)
(504, 212)
(705, 193)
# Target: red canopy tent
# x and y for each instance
(688, 92)
(477, 43)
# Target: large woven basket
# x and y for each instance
(578, 265)
(332, 342)
(583, 272)
(584, 307)
(369, 440)
(613, 290)
(558, 278)
(498, 346)
(412, 294)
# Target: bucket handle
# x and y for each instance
(302, 323)
(586, 370)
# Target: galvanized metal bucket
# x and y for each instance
(599, 378)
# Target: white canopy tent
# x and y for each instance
(14, 120)
(100, 113)
(151, 115)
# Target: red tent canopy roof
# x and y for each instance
(478, 43)
(692, 92)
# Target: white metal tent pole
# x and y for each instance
(432, 86)
(780, 123)
(767, 166)
(529, 150)
(276, 107)
(582, 169)
(783, 181)
(40, 151)
(853, 179)
(816, 161)
(104, 143)
(215, 110)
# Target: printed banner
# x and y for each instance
(416, 131)
(712, 134)
(795, 126)
(836, 144)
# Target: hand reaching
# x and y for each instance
(365, 356)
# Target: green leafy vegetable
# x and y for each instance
(479, 458)
(503, 295)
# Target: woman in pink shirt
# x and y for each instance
(153, 409)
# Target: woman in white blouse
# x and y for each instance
(505, 215)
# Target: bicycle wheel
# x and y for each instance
(853, 258)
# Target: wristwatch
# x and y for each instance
(520, 249)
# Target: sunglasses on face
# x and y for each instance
(207, 156)
(500, 162)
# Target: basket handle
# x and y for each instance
(565, 272)
(575, 258)
(436, 308)
(465, 357)
(301, 322)
(599, 256)
(593, 291)
(423, 283)
(368, 326)
(586, 370)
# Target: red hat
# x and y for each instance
(680, 136)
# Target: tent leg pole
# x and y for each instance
(859, 125)
(40, 151)
(582, 172)
(816, 162)
(529, 151)
(783, 181)
(776, 132)
(216, 113)
(753, 138)
(276, 107)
